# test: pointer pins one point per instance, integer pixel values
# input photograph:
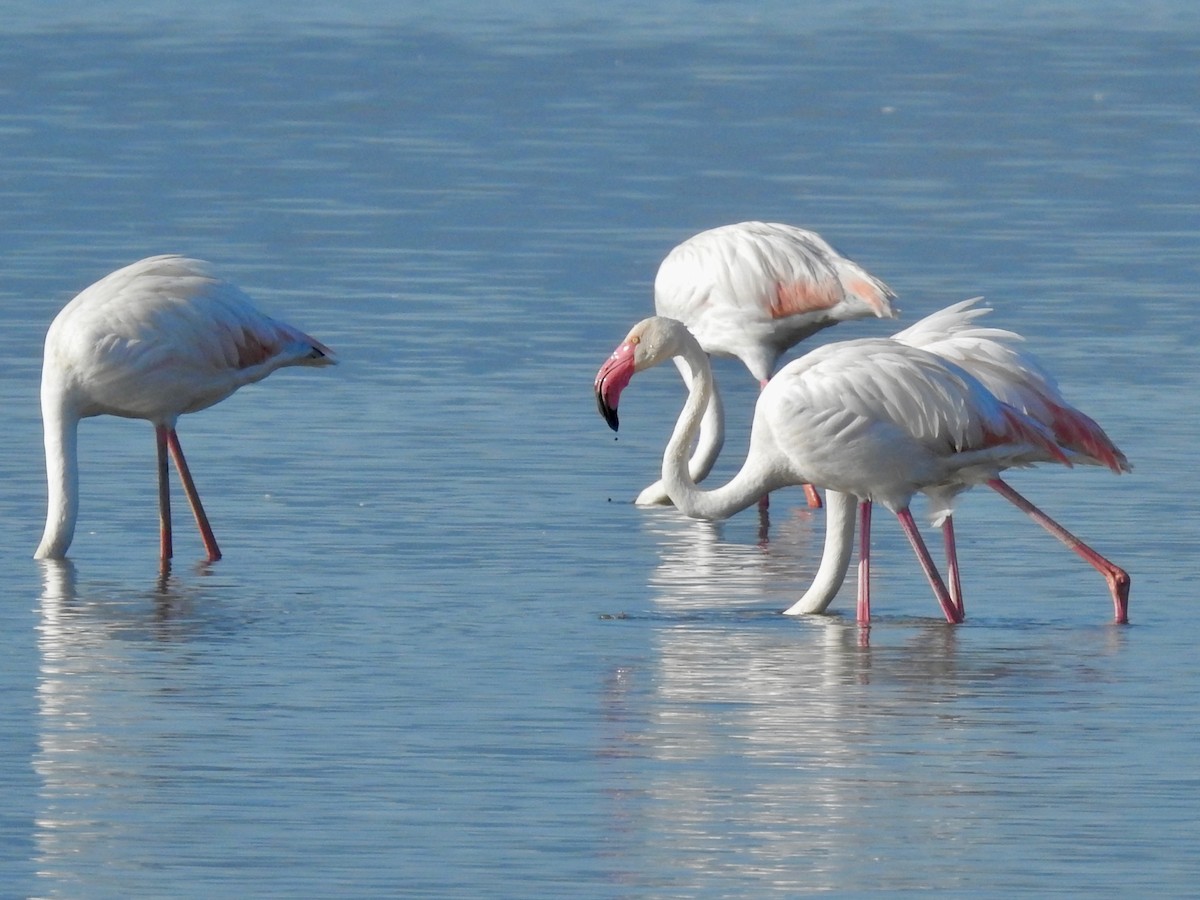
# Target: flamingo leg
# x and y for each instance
(189, 488)
(864, 563)
(931, 572)
(952, 571)
(1117, 578)
(164, 495)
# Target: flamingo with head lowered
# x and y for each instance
(752, 291)
(873, 419)
(154, 340)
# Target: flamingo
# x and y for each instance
(873, 419)
(752, 291)
(1017, 378)
(154, 340)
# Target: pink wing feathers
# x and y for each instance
(994, 356)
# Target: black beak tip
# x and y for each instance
(608, 412)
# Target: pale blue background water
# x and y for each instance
(443, 657)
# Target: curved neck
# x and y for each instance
(712, 426)
(708, 445)
(835, 560)
(62, 475)
(745, 488)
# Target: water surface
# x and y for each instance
(444, 656)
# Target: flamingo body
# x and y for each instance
(753, 290)
(154, 340)
(869, 418)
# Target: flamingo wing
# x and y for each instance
(1014, 375)
(880, 418)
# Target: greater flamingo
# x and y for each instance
(1014, 376)
(154, 340)
(752, 291)
(873, 419)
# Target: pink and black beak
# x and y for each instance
(612, 378)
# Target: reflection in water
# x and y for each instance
(468, 246)
(766, 755)
(700, 570)
(92, 718)
(772, 738)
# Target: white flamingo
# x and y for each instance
(752, 291)
(873, 419)
(154, 340)
(994, 357)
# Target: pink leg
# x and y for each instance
(956, 593)
(164, 495)
(189, 488)
(814, 499)
(864, 562)
(931, 572)
(1117, 578)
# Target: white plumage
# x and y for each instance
(996, 357)
(154, 340)
(872, 419)
(753, 290)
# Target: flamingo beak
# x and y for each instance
(612, 378)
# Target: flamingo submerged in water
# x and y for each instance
(870, 419)
(752, 291)
(994, 357)
(154, 340)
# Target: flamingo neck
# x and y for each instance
(712, 431)
(61, 427)
(835, 560)
(745, 488)
(708, 444)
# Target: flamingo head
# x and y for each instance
(650, 342)
(613, 377)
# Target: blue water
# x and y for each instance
(444, 656)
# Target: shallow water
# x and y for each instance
(444, 655)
